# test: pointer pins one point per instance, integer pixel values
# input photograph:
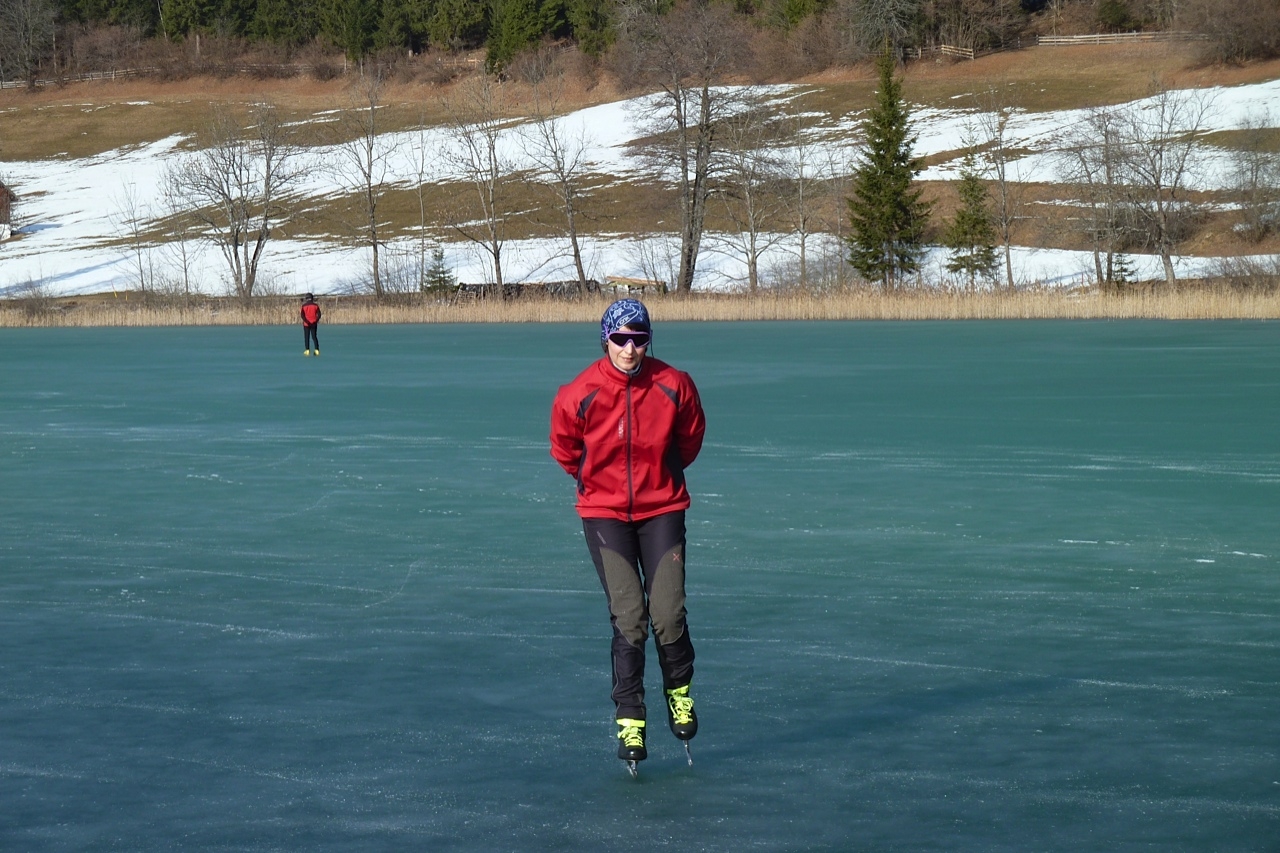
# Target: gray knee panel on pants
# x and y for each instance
(626, 597)
(666, 597)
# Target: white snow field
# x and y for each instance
(70, 208)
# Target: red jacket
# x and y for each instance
(310, 314)
(627, 439)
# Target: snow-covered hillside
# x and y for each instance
(70, 209)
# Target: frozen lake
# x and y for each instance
(965, 586)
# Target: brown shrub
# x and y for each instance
(1250, 274)
(438, 68)
(807, 49)
(322, 62)
(102, 48)
(1237, 30)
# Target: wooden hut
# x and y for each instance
(635, 286)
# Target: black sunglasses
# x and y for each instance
(638, 339)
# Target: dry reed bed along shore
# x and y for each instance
(1186, 304)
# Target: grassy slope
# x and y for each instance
(92, 118)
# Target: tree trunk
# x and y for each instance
(691, 241)
(577, 253)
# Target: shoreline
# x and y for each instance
(138, 310)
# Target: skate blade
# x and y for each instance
(687, 753)
(633, 769)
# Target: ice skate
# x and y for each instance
(680, 714)
(681, 717)
(631, 743)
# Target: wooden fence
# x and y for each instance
(957, 52)
(953, 51)
(1117, 38)
(120, 74)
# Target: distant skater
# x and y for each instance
(625, 429)
(310, 324)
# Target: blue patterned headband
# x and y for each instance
(624, 312)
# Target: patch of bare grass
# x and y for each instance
(1267, 139)
(608, 207)
(89, 129)
(1040, 79)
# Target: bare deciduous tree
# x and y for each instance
(869, 27)
(237, 185)
(1055, 14)
(478, 123)
(1164, 14)
(1091, 161)
(686, 53)
(8, 204)
(26, 37)
(974, 24)
(559, 155)
(750, 181)
(424, 155)
(800, 168)
(1235, 30)
(838, 164)
(657, 256)
(1159, 154)
(1255, 177)
(131, 216)
(179, 224)
(362, 164)
(992, 137)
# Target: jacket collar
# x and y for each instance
(615, 375)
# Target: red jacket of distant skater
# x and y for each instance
(627, 439)
(310, 314)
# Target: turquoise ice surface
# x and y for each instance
(953, 586)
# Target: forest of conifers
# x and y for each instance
(46, 36)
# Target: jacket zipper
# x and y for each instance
(631, 494)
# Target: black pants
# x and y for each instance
(641, 567)
(309, 335)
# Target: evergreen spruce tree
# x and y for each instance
(1122, 271)
(592, 25)
(971, 235)
(887, 215)
(285, 22)
(513, 26)
(438, 276)
(350, 25)
(401, 24)
(458, 24)
(186, 16)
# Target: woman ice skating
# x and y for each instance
(625, 429)
(310, 324)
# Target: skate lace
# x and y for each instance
(632, 736)
(681, 708)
